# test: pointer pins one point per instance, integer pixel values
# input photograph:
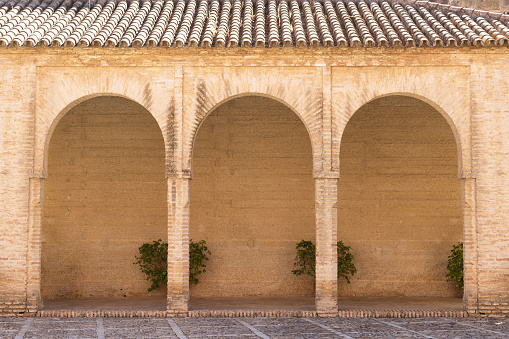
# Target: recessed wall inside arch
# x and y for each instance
(105, 196)
(399, 199)
(252, 199)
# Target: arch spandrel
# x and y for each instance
(446, 89)
(59, 89)
(300, 89)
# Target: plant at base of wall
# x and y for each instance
(197, 255)
(455, 265)
(305, 260)
(153, 261)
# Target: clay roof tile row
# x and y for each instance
(247, 23)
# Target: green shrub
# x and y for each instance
(305, 260)
(197, 255)
(153, 261)
(455, 265)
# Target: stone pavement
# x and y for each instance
(180, 328)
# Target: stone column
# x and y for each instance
(34, 301)
(468, 203)
(326, 293)
(178, 246)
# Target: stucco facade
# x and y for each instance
(323, 87)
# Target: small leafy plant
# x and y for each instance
(197, 255)
(455, 265)
(305, 260)
(153, 261)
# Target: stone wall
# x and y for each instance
(324, 87)
(16, 163)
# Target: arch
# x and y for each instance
(439, 109)
(252, 197)
(202, 117)
(399, 163)
(202, 93)
(446, 89)
(69, 107)
(62, 88)
(106, 193)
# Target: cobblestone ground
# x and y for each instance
(181, 328)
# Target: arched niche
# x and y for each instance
(399, 198)
(105, 195)
(252, 198)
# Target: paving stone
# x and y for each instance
(438, 334)
(57, 333)
(353, 324)
(292, 328)
(8, 333)
(497, 324)
(274, 328)
(64, 324)
(384, 335)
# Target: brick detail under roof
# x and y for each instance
(247, 23)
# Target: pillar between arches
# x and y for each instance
(178, 245)
(34, 243)
(468, 202)
(326, 211)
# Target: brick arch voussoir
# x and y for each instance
(48, 126)
(443, 107)
(310, 117)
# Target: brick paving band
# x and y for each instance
(258, 313)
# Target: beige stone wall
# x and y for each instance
(16, 156)
(252, 198)
(324, 86)
(105, 195)
(399, 199)
(490, 129)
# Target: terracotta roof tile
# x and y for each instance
(248, 23)
(298, 27)
(222, 31)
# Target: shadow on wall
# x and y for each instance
(399, 199)
(252, 198)
(105, 195)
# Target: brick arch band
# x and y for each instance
(450, 96)
(300, 91)
(201, 116)
(67, 89)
